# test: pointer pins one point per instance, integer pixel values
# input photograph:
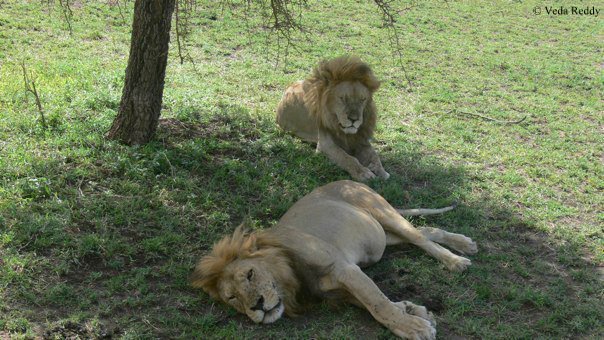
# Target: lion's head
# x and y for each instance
(339, 94)
(252, 274)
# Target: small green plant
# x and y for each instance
(30, 87)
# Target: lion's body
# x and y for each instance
(334, 108)
(294, 117)
(357, 237)
(325, 238)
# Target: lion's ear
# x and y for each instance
(250, 245)
(324, 80)
(324, 76)
(368, 78)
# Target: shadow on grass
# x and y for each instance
(113, 239)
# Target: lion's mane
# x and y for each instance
(239, 246)
(319, 88)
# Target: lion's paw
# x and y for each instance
(468, 246)
(364, 175)
(384, 175)
(416, 310)
(379, 170)
(458, 263)
(415, 328)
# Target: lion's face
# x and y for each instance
(249, 287)
(347, 104)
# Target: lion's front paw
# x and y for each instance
(379, 170)
(458, 263)
(364, 175)
(417, 310)
(415, 328)
(384, 175)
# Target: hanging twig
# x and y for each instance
(389, 19)
(182, 13)
(67, 13)
(30, 86)
(284, 18)
(119, 8)
(178, 34)
(281, 19)
(507, 122)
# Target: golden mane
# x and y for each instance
(325, 77)
(239, 246)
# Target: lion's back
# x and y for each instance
(292, 115)
(330, 218)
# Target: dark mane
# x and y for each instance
(319, 86)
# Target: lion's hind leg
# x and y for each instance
(399, 229)
(457, 242)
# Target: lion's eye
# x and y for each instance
(230, 298)
(250, 275)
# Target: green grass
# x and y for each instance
(98, 239)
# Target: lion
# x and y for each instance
(317, 249)
(334, 108)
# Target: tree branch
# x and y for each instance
(507, 122)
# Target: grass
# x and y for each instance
(98, 239)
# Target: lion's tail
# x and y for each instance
(422, 211)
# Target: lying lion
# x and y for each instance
(319, 246)
(334, 108)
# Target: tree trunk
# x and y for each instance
(140, 106)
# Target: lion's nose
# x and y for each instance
(259, 305)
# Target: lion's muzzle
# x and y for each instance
(264, 313)
(274, 313)
(352, 127)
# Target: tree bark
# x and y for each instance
(140, 106)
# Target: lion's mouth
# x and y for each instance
(348, 129)
(278, 305)
(274, 313)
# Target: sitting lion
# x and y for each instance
(319, 247)
(334, 108)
